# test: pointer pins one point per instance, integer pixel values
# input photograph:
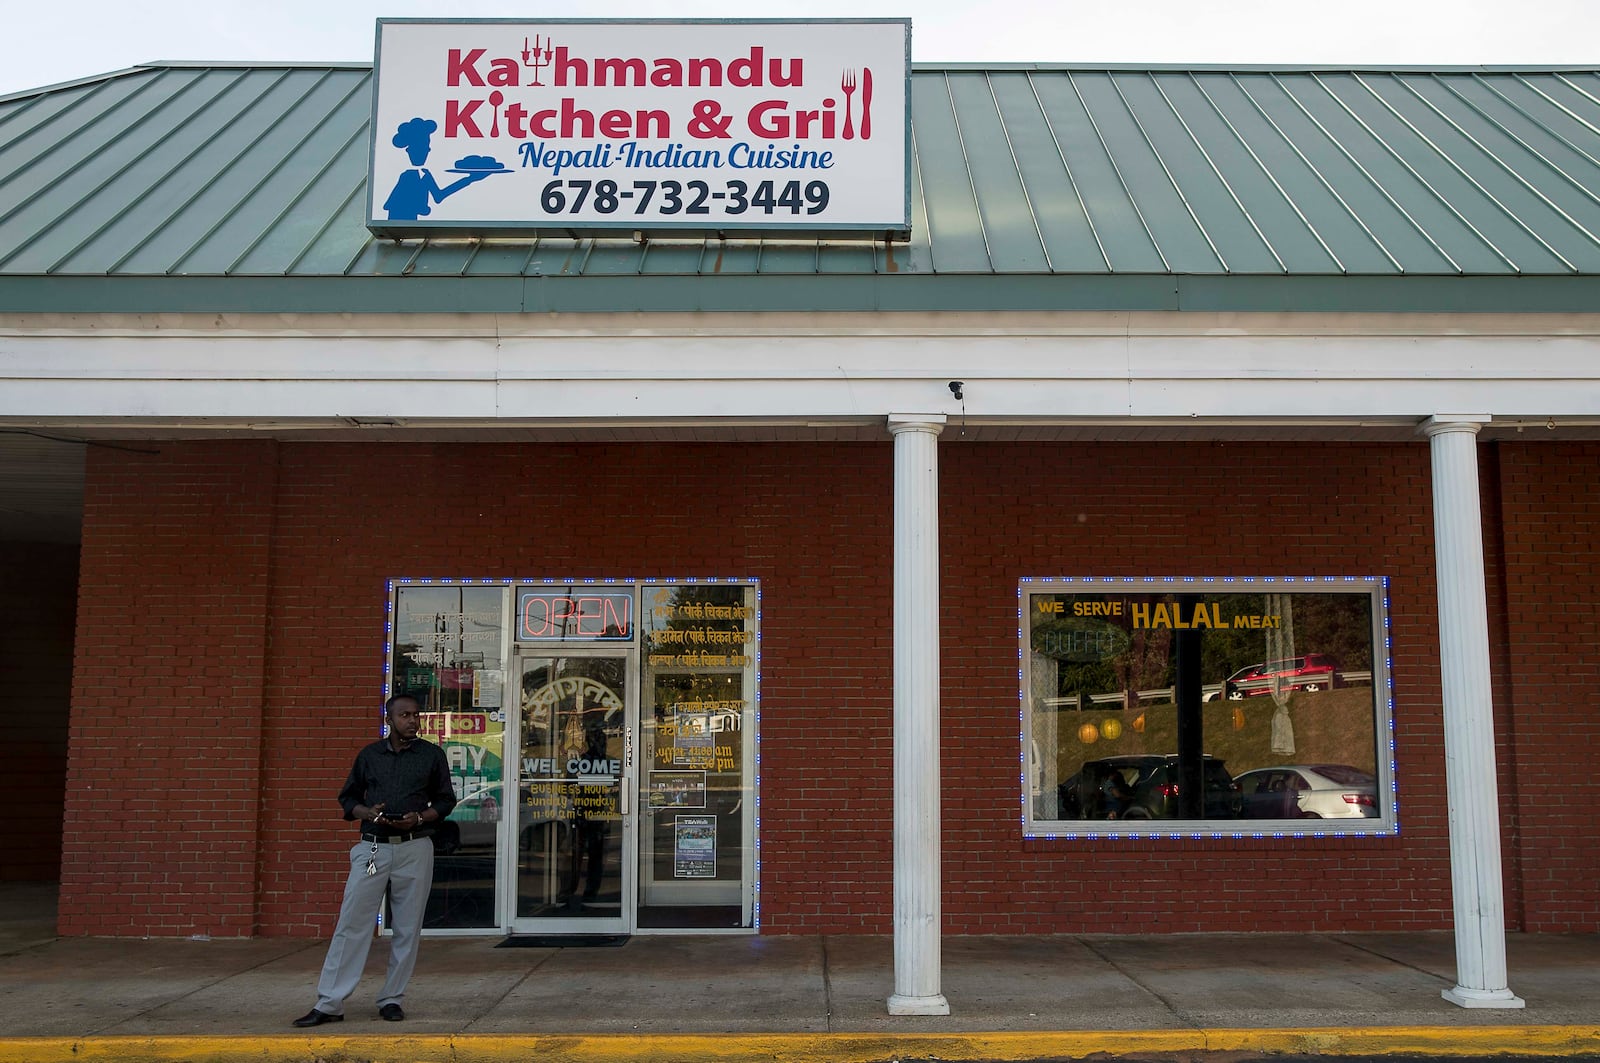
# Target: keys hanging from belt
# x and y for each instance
(372, 857)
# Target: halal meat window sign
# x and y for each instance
(484, 127)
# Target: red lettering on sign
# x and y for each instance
(454, 724)
(592, 616)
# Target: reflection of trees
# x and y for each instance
(1226, 650)
(681, 615)
(730, 596)
(1103, 654)
(681, 695)
(609, 672)
(1054, 639)
(1339, 625)
(461, 624)
(699, 686)
(1336, 624)
(1148, 663)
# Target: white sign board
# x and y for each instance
(484, 127)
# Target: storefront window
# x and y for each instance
(1189, 707)
(698, 728)
(601, 737)
(446, 652)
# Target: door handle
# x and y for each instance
(627, 791)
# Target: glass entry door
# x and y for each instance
(693, 841)
(575, 832)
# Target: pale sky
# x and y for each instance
(60, 40)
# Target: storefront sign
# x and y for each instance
(585, 126)
(445, 725)
(559, 616)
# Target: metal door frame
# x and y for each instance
(626, 920)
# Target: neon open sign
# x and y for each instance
(560, 616)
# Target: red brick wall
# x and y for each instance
(1548, 676)
(813, 524)
(38, 599)
(231, 660)
(167, 696)
(1200, 510)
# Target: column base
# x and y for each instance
(1483, 998)
(899, 1004)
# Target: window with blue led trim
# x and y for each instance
(447, 653)
(1194, 706)
(697, 744)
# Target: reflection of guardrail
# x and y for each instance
(1079, 702)
(1208, 692)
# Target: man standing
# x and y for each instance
(398, 789)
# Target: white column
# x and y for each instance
(1472, 793)
(916, 716)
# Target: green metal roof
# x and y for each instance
(242, 187)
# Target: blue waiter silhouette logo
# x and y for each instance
(416, 191)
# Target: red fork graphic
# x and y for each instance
(847, 85)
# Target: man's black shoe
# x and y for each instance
(391, 1013)
(317, 1018)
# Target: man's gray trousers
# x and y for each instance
(405, 869)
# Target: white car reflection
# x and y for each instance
(1309, 791)
(473, 826)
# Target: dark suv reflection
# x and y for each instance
(1143, 786)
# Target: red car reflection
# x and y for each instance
(1311, 671)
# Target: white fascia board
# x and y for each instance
(1028, 368)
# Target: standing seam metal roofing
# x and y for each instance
(1153, 180)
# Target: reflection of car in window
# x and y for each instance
(1143, 786)
(1310, 671)
(1309, 791)
(474, 824)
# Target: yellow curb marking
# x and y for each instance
(803, 1048)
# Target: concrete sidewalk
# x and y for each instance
(818, 999)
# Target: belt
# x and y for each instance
(413, 836)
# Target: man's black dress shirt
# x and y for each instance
(411, 780)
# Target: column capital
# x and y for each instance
(1440, 423)
(931, 423)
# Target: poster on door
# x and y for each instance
(684, 789)
(693, 742)
(694, 848)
